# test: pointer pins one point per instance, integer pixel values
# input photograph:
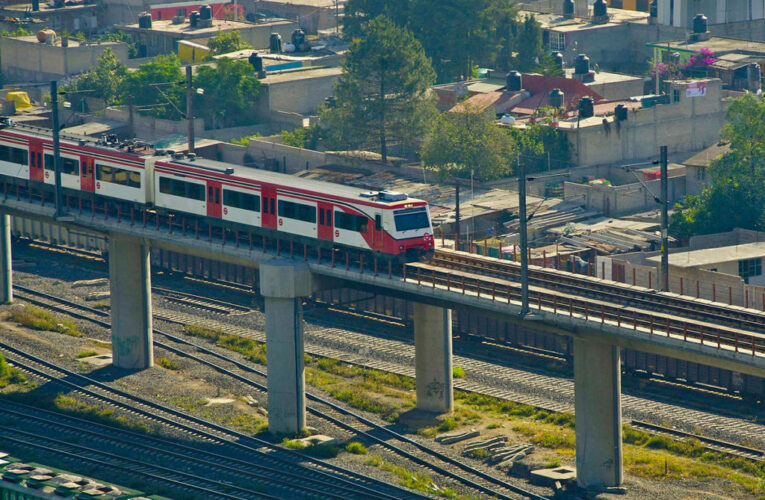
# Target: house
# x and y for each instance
(162, 36)
(312, 15)
(745, 261)
(26, 59)
(82, 16)
(696, 167)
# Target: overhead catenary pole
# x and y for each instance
(190, 108)
(523, 237)
(56, 149)
(664, 221)
(457, 217)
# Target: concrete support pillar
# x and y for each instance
(597, 375)
(130, 287)
(282, 284)
(433, 358)
(6, 271)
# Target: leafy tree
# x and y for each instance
(382, 96)
(121, 36)
(102, 81)
(462, 141)
(158, 86)
(456, 34)
(307, 137)
(230, 93)
(541, 147)
(529, 45)
(227, 41)
(736, 195)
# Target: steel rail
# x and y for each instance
(338, 408)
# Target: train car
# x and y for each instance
(310, 211)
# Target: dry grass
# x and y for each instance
(38, 319)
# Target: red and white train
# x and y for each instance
(319, 213)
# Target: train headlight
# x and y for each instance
(401, 248)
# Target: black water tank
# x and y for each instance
(194, 19)
(557, 98)
(568, 8)
(620, 112)
(653, 9)
(586, 107)
(514, 81)
(205, 12)
(558, 58)
(298, 39)
(275, 43)
(600, 8)
(256, 61)
(700, 23)
(582, 64)
(144, 20)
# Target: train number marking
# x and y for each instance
(225, 210)
(281, 222)
(337, 233)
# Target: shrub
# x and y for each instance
(458, 372)
(86, 354)
(39, 319)
(356, 448)
(166, 363)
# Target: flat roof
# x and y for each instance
(602, 77)
(167, 26)
(45, 8)
(711, 256)
(558, 23)
(716, 44)
(300, 74)
(73, 42)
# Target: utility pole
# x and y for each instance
(383, 144)
(190, 108)
(457, 216)
(523, 238)
(664, 221)
(56, 149)
(131, 123)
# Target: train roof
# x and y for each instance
(388, 199)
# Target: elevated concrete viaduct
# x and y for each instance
(284, 281)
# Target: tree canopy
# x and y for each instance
(382, 96)
(457, 34)
(465, 141)
(104, 80)
(736, 195)
(227, 41)
(230, 93)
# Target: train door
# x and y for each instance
(87, 174)
(377, 232)
(268, 214)
(213, 199)
(324, 229)
(36, 170)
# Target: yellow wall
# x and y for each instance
(190, 54)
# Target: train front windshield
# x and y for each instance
(415, 218)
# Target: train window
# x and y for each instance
(415, 218)
(321, 216)
(114, 175)
(14, 155)
(297, 211)
(69, 166)
(210, 194)
(242, 201)
(265, 205)
(183, 189)
(329, 217)
(378, 222)
(272, 210)
(351, 222)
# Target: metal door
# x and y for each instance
(87, 174)
(36, 169)
(377, 232)
(268, 212)
(324, 229)
(214, 205)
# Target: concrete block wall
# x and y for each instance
(615, 201)
(148, 127)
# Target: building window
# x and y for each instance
(750, 267)
(675, 95)
(557, 41)
(701, 173)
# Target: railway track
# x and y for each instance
(278, 468)
(206, 304)
(645, 320)
(733, 449)
(453, 468)
(611, 291)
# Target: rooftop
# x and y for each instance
(558, 23)
(73, 43)
(186, 30)
(300, 74)
(718, 45)
(603, 77)
(46, 8)
(711, 256)
(705, 157)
